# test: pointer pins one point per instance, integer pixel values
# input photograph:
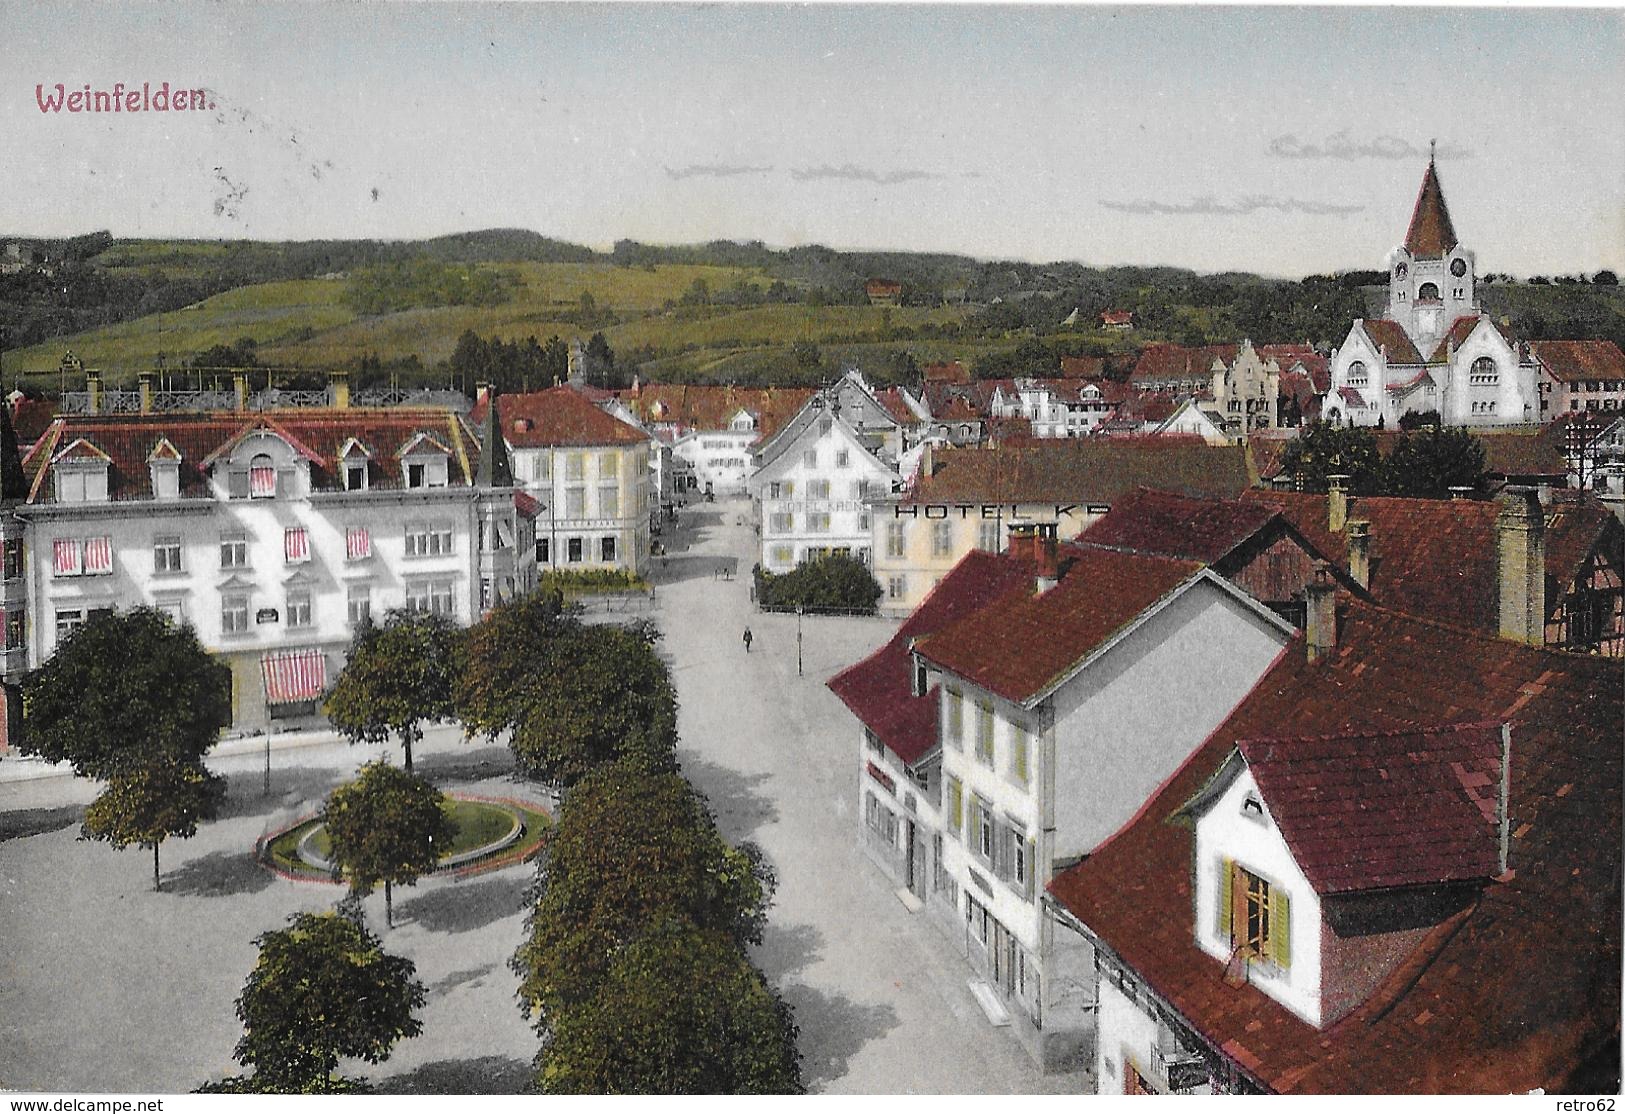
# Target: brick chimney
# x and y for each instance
(927, 461)
(143, 382)
(1320, 620)
(93, 389)
(1359, 531)
(1520, 564)
(338, 388)
(1023, 543)
(1337, 503)
(1044, 553)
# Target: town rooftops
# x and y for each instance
(1512, 993)
(712, 408)
(1022, 644)
(1083, 471)
(1165, 524)
(557, 417)
(951, 372)
(878, 689)
(1430, 235)
(1169, 362)
(1381, 809)
(128, 441)
(1578, 361)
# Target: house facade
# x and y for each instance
(1579, 375)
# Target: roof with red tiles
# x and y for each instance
(1510, 994)
(1351, 396)
(1524, 452)
(1392, 339)
(1430, 235)
(897, 406)
(1160, 363)
(958, 410)
(707, 407)
(1571, 361)
(319, 435)
(878, 689)
(1022, 644)
(1166, 524)
(31, 418)
(1317, 367)
(951, 372)
(1376, 810)
(1082, 367)
(558, 416)
(1148, 407)
(1438, 556)
(1084, 470)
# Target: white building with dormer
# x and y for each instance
(1434, 349)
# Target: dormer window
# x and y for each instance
(1260, 924)
(425, 462)
(1252, 808)
(164, 466)
(262, 477)
(80, 472)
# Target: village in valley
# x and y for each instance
(1148, 700)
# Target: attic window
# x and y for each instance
(521, 425)
(1253, 808)
(355, 475)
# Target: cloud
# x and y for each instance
(713, 170)
(1209, 206)
(849, 173)
(1341, 146)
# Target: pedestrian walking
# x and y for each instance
(747, 640)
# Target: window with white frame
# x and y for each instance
(896, 587)
(358, 604)
(942, 538)
(428, 539)
(818, 523)
(234, 551)
(818, 489)
(429, 596)
(782, 522)
(842, 458)
(16, 628)
(987, 535)
(606, 548)
(234, 612)
(810, 458)
(896, 538)
(299, 614)
(166, 555)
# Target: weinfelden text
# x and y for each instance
(120, 98)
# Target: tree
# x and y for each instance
(398, 678)
(603, 695)
(630, 844)
(105, 710)
(835, 583)
(600, 361)
(1322, 450)
(147, 804)
(1605, 278)
(681, 1011)
(1426, 464)
(500, 655)
(323, 988)
(387, 826)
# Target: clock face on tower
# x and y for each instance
(1458, 268)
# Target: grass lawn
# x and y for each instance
(478, 824)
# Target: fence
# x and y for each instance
(272, 398)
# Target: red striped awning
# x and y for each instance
(296, 544)
(262, 482)
(294, 675)
(65, 556)
(357, 543)
(98, 556)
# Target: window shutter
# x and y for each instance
(956, 806)
(1280, 928)
(1227, 871)
(1032, 870)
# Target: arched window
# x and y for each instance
(262, 476)
(1429, 292)
(1484, 372)
(1357, 374)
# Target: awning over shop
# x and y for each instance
(294, 675)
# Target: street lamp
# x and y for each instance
(799, 610)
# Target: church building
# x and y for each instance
(1434, 349)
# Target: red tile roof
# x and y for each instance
(1454, 337)
(1509, 995)
(1142, 406)
(1168, 525)
(707, 407)
(878, 689)
(1021, 644)
(1571, 361)
(558, 416)
(1431, 235)
(1438, 557)
(1384, 809)
(1391, 337)
(950, 372)
(1082, 367)
(319, 434)
(1084, 470)
(897, 406)
(31, 418)
(958, 410)
(1160, 363)
(1529, 453)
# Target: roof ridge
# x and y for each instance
(1376, 733)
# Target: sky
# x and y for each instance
(1280, 140)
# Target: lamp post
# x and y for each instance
(799, 610)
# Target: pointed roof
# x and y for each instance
(1431, 234)
(164, 450)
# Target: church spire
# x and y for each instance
(1431, 234)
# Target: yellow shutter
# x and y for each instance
(1227, 870)
(1280, 928)
(1021, 754)
(956, 804)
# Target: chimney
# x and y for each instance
(1502, 813)
(927, 461)
(1460, 493)
(1023, 542)
(93, 388)
(482, 392)
(1320, 614)
(1360, 552)
(143, 382)
(1044, 553)
(1520, 561)
(1337, 503)
(239, 387)
(338, 388)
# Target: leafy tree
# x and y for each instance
(832, 583)
(398, 678)
(499, 656)
(681, 1011)
(1605, 278)
(604, 694)
(151, 802)
(1322, 450)
(1426, 464)
(600, 361)
(1420, 419)
(108, 711)
(387, 826)
(322, 989)
(630, 844)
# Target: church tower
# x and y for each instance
(1430, 275)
